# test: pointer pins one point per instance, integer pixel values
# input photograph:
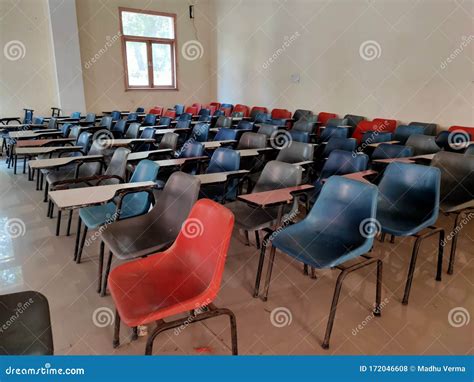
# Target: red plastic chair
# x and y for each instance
(157, 110)
(184, 278)
(242, 109)
(193, 110)
(170, 113)
(323, 117)
(198, 106)
(211, 108)
(469, 130)
(257, 110)
(281, 114)
(217, 105)
(378, 124)
(386, 125)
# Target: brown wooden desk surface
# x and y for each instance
(23, 126)
(218, 177)
(178, 130)
(273, 197)
(125, 142)
(57, 162)
(33, 134)
(217, 144)
(248, 153)
(89, 196)
(426, 157)
(42, 142)
(146, 154)
(178, 161)
(360, 176)
(33, 151)
(379, 143)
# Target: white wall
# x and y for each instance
(407, 82)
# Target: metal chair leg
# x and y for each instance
(69, 221)
(58, 224)
(106, 276)
(81, 247)
(116, 341)
(332, 312)
(134, 333)
(378, 290)
(247, 240)
(260, 265)
(313, 274)
(305, 269)
(78, 237)
(454, 242)
(439, 268)
(257, 240)
(101, 266)
(46, 188)
(411, 270)
(271, 261)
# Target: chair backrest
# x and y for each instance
(92, 168)
(376, 137)
(193, 110)
(403, 132)
(262, 118)
(28, 118)
(300, 136)
(386, 151)
(387, 125)
(226, 134)
(257, 110)
(223, 122)
(245, 125)
(342, 210)
(411, 188)
(198, 107)
(76, 115)
(280, 114)
(182, 124)
(84, 140)
(171, 113)
(52, 123)
(302, 114)
(296, 152)
(191, 149)
(353, 120)
(120, 127)
(90, 117)
(277, 175)
(66, 128)
(430, 128)
(157, 110)
(469, 150)
(335, 122)
(342, 162)
(330, 132)
(132, 117)
(204, 118)
(422, 144)
(185, 117)
(74, 132)
(169, 141)
(278, 122)
(457, 177)
(239, 108)
(336, 143)
(179, 108)
(117, 165)
(165, 121)
(252, 141)
(150, 120)
(304, 125)
(204, 112)
(455, 141)
(267, 130)
(106, 122)
(38, 120)
(140, 109)
(132, 131)
(467, 129)
(147, 133)
(116, 115)
(224, 159)
(218, 113)
(206, 261)
(323, 117)
(237, 114)
(200, 132)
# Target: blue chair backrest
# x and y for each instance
(403, 132)
(84, 141)
(191, 149)
(278, 122)
(218, 113)
(116, 115)
(245, 125)
(132, 117)
(38, 120)
(300, 136)
(148, 133)
(165, 121)
(120, 127)
(226, 134)
(140, 110)
(335, 122)
(106, 122)
(28, 118)
(139, 202)
(430, 128)
(65, 129)
(330, 132)
(224, 159)
(150, 120)
(386, 151)
(185, 117)
(412, 188)
(132, 131)
(343, 206)
(183, 124)
(336, 143)
(76, 115)
(179, 109)
(204, 112)
(227, 106)
(90, 117)
(454, 141)
(263, 118)
(342, 162)
(204, 118)
(200, 132)
(376, 137)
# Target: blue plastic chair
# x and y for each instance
(28, 118)
(454, 141)
(165, 121)
(116, 115)
(330, 132)
(429, 128)
(300, 136)
(133, 204)
(263, 118)
(204, 118)
(403, 132)
(76, 115)
(179, 108)
(227, 106)
(387, 151)
(132, 117)
(408, 203)
(65, 129)
(38, 120)
(150, 120)
(333, 233)
(106, 122)
(140, 110)
(227, 134)
(185, 117)
(200, 132)
(191, 149)
(375, 137)
(336, 143)
(147, 133)
(218, 113)
(204, 113)
(182, 124)
(245, 125)
(336, 122)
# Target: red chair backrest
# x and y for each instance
(170, 113)
(198, 106)
(217, 105)
(281, 114)
(242, 109)
(386, 125)
(202, 244)
(157, 110)
(323, 117)
(469, 130)
(193, 110)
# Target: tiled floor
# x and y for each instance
(435, 321)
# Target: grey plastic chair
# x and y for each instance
(296, 152)
(132, 131)
(169, 141)
(252, 141)
(154, 231)
(305, 126)
(267, 130)
(422, 144)
(106, 122)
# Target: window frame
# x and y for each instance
(149, 43)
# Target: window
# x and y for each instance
(149, 49)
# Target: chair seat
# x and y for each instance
(402, 224)
(452, 206)
(96, 216)
(142, 296)
(317, 248)
(65, 173)
(30, 333)
(252, 219)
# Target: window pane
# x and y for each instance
(143, 25)
(137, 63)
(162, 70)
